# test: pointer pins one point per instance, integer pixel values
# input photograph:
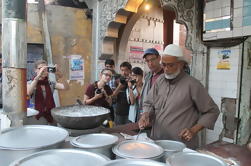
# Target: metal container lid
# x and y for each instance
(137, 149)
(94, 140)
(31, 137)
(134, 162)
(62, 157)
(170, 145)
(192, 158)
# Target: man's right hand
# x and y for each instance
(98, 96)
(144, 121)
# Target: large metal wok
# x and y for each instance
(80, 116)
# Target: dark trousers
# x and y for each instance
(121, 119)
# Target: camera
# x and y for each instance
(116, 76)
(98, 91)
(51, 69)
(123, 80)
(133, 82)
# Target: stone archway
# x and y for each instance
(114, 13)
(184, 11)
(110, 14)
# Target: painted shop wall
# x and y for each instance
(34, 30)
(71, 41)
(223, 83)
(230, 87)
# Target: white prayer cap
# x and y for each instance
(173, 50)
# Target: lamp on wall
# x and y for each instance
(147, 5)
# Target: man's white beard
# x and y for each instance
(172, 76)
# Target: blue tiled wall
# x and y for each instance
(246, 12)
(219, 24)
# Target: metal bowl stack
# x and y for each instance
(134, 162)
(97, 143)
(21, 141)
(170, 147)
(194, 159)
(135, 149)
(62, 157)
(80, 116)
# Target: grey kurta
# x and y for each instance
(178, 104)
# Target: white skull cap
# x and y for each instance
(173, 50)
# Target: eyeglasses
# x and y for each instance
(169, 65)
(109, 66)
(150, 60)
(107, 75)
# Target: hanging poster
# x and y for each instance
(76, 67)
(135, 54)
(224, 60)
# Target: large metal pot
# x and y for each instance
(62, 157)
(19, 142)
(98, 143)
(194, 159)
(80, 116)
(134, 162)
(170, 147)
(135, 149)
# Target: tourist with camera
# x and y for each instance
(122, 108)
(133, 93)
(109, 64)
(99, 93)
(40, 90)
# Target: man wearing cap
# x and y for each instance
(152, 58)
(177, 106)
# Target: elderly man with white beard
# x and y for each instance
(177, 106)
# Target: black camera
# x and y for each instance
(51, 69)
(133, 81)
(116, 76)
(98, 91)
(123, 80)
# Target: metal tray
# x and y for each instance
(96, 140)
(62, 157)
(137, 149)
(31, 137)
(194, 159)
(134, 162)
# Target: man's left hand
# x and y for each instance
(186, 134)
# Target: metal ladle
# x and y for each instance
(140, 130)
(79, 102)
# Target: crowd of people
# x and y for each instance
(166, 99)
